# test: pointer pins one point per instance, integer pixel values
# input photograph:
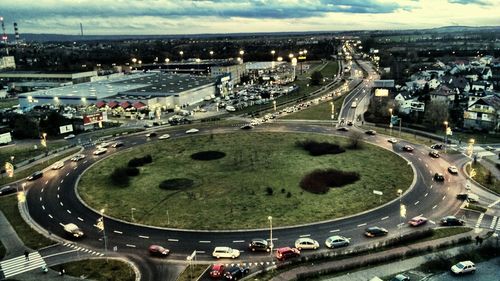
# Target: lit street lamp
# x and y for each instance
(402, 210)
(390, 122)
(100, 226)
(270, 218)
(182, 55)
(333, 111)
(272, 53)
(445, 135)
(132, 213)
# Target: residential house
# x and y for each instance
(443, 93)
(475, 96)
(486, 73)
(483, 114)
(434, 83)
(481, 86)
(407, 103)
(459, 84)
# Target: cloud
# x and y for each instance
(466, 2)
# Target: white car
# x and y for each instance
(77, 157)
(192, 131)
(104, 145)
(70, 136)
(58, 165)
(464, 267)
(225, 252)
(306, 244)
(392, 140)
(453, 170)
(100, 150)
(164, 137)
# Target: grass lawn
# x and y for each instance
(100, 270)
(322, 111)
(192, 274)
(24, 173)
(31, 238)
(8, 103)
(25, 151)
(484, 177)
(476, 208)
(235, 186)
(442, 232)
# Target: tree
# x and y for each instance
(355, 140)
(316, 78)
(436, 113)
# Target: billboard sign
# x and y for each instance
(381, 92)
(66, 129)
(5, 138)
(95, 118)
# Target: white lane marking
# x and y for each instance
(47, 182)
(238, 241)
(61, 224)
(448, 189)
(61, 203)
(478, 223)
(493, 222)
(335, 230)
(206, 242)
(494, 203)
(75, 168)
(401, 224)
(431, 186)
(67, 174)
(416, 203)
(444, 197)
(62, 181)
(431, 221)
(305, 235)
(60, 253)
(384, 218)
(200, 252)
(130, 245)
(57, 196)
(84, 162)
(425, 195)
(143, 237)
(118, 232)
(40, 198)
(43, 207)
(43, 189)
(58, 188)
(434, 207)
(427, 166)
(80, 219)
(419, 159)
(173, 240)
(69, 212)
(363, 224)
(50, 216)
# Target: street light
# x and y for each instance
(390, 122)
(402, 210)
(132, 213)
(280, 59)
(100, 224)
(445, 134)
(182, 55)
(333, 111)
(272, 53)
(270, 218)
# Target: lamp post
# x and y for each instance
(134, 61)
(181, 53)
(270, 218)
(167, 60)
(333, 111)
(132, 214)
(445, 135)
(272, 63)
(402, 211)
(241, 55)
(211, 54)
(198, 60)
(471, 146)
(390, 122)
(274, 105)
(103, 228)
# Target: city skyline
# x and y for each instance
(164, 17)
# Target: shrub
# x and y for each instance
(119, 177)
(176, 183)
(147, 159)
(208, 155)
(283, 190)
(132, 171)
(319, 181)
(135, 162)
(319, 148)
(289, 194)
(269, 190)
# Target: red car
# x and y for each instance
(287, 253)
(416, 221)
(156, 250)
(217, 271)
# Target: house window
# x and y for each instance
(479, 115)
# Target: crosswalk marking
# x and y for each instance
(493, 221)
(82, 249)
(20, 265)
(478, 223)
(494, 203)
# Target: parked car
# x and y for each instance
(246, 127)
(225, 252)
(70, 136)
(453, 170)
(337, 241)
(164, 137)
(117, 144)
(100, 150)
(438, 177)
(159, 251)
(400, 277)
(287, 253)
(192, 131)
(151, 135)
(343, 129)
(464, 267)
(437, 146)
(452, 221)
(433, 154)
(371, 132)
(236, 273)
(261, 245)
(418, 220)
(392, 140)
(472, 198)
(217, 271)
(407, 148)
(306, 243)
(35, 175)
(7, 190)
(375, 231)
(77, 157)
(462, 196)
(58, 165)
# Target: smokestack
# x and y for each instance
(81, 29)
(16, 32)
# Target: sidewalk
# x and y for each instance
(341, 264)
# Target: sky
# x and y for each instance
(124, 17)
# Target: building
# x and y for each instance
(235, 71)
(7, 77)
(483, 114)
(152, 89)
(7, 63)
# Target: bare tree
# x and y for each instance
(355, 139)
(436, 113)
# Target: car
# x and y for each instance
(407, 148)
(225, 252)
(117, 144)
(70, 136)
(371, 132)
(400, 277)
(343, 129)
(417, 221)
(349, 123)
(159, 251)
(217, 270)
(35, 175)
(58, 165)
(73, 230)
(472, 198)
(236, 272)
(261, 245)
(77, 157)
(192, 131)
(164, 137)
(462, 196)
(151, 135)
(392, 140)
(433, 154)
(337, 241)
(489, 148)
(437, 146)
(100, 150)
(453, 170)
(306, 243)
(287, 253)
(438, 177)
(464, 267)
(103, 145)
(7, 190)
(452, 221)
(246, 127)
(148, 125)
(375, 231)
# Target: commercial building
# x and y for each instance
(7, 63)
(7, 77)
(235, 71)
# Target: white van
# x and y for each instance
(225, 252)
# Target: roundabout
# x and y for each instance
(252, 175)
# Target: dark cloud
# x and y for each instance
(465, 2)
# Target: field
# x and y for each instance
(236, 187)
(99, 269)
